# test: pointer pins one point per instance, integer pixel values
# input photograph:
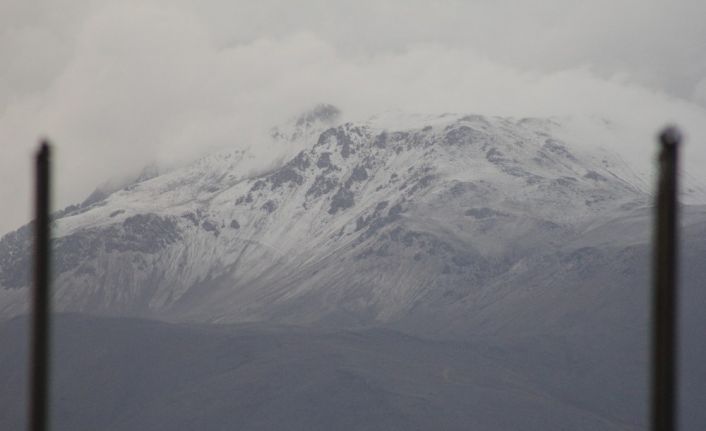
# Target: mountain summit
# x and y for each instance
(370, 222)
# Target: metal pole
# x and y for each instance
(664, 300)
(39, 371)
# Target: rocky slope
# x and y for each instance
(367, 222)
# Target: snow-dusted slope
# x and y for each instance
(367, 222)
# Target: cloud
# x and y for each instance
(118, 85)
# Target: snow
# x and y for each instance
(294, 246)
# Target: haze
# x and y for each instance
(119, 85)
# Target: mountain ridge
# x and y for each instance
(357, 190)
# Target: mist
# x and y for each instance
(119, 86)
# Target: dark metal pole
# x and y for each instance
(39, 371)
(664, 300)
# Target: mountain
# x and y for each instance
(501, 236)
(364, 224)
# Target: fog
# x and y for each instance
(119, 85)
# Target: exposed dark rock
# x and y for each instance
(116, 212)
(409, 238)
(341, 200)
(533, 179)
(343, 140)
(464, 188)
(422, 183)
(555, 147)
(355, 129)
(193, 218)
(346, 145)
(483, 213)
(593, 175)
(380, 140)
(269, 206)
(517, 171)
(259, 185)
(463, 135)
(322, 185)
(301, 161)
(399, 136)
(15, 257)
(395, 210)
(147, 233)
(495, 156)
(359, 174)
(564, 181)
(244, 199)
(210, 227)
(96, 196)
(73, 250)
(376, 221)
(360, 223)
(234, 224)
(324, 161)
(375, 217)
(69, 210)
(284, 176)
(325, 136)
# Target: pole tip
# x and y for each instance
(670, 136)
(44, 147)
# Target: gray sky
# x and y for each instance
(119, 84)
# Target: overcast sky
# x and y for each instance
(119, 84)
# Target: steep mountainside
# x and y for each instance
(366, 223)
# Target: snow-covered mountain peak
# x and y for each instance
(364, 217)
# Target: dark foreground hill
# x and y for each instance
(124, 374)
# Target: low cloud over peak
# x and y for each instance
(117, 86)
